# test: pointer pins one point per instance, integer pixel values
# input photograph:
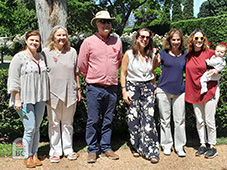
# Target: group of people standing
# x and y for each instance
(52, 78)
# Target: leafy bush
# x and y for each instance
(214, 27)
(221, 115)
(10, 121)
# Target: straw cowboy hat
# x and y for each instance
(101, 15)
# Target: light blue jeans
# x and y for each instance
(31, 122)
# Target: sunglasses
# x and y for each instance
(105, 21)
(143, 37)
(201, 38)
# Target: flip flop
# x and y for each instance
(72, 156)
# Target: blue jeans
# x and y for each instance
(31, 122)
(100, 102)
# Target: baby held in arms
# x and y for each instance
(217, 62)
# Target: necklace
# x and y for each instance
(57, 53)
(145, 57)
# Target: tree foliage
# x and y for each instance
(163, 14)
(213, 8)
(188, 12)
(146, 13)
(122, 9)
(80, 13)
(177, 10)
(17, 17)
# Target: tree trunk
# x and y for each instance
(50, 13)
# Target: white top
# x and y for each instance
(28, 78)
(217, 62)
(62, 75)
(138, 70)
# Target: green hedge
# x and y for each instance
(214, 27)
(11, 125)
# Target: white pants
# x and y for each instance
(61, 128)
(205, 119)
(167, 101)
(205, 78)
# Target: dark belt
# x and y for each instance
(101, 86)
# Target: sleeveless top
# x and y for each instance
(138, 70)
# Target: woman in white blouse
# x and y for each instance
(28, 86)
(138, 86)
(63, 74)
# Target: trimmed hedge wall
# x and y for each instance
(214, 27)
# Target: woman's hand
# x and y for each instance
(126, 97)
(155, 91)
(212, 72)
(155, 50)
(18, 105)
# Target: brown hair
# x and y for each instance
(50, 42)
(148, 50)
(169, 36)
(29, 34)
(190, 41)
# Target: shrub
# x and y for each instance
(214, 27)
(9, 119)
(221, 115)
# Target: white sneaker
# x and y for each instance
(181, 153)
(167, 152)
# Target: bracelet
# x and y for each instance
(78, 88)
(123, 87)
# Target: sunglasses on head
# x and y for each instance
(105, 21)
(201, 38)
(143, 37)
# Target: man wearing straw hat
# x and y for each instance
(99, 60)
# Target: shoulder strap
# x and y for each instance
(45, 60)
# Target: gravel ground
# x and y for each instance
(128, 162)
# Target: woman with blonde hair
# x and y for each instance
(63, 73)
(204, 104)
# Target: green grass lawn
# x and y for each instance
(7, 57)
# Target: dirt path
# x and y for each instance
(128, 162)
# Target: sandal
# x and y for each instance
(72, 156)
(55, 158)
(136, 154)
(154, 160)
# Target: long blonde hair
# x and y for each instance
(50, 42)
